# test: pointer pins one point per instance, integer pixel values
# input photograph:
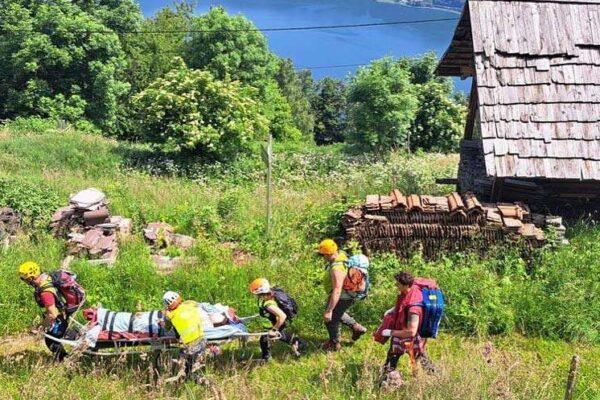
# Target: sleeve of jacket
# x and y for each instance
(386, 323)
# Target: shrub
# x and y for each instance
(188, 110)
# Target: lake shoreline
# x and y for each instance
(441, 8)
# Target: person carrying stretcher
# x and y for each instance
(186, 319)
(279, 308)
(59, 294)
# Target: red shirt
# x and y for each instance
(406, 307)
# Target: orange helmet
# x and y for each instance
(327, 247)
(260, 286)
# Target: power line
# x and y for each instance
(276, 29)
(331, 66)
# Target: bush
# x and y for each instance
(188, 110)
(33, 200)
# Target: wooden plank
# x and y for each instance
(476, 31)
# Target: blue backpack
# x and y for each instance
(433, 307)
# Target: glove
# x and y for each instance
(386, 333)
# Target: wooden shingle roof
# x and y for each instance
(537, 71)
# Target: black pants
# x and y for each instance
(291, 339)
(340, 316)
(57, 330)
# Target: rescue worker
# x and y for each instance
(59, 303)
(405, 337)
(279, 308)
(339, 301)
(185, 317)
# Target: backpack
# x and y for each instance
(64, 282)
(357, 277)
(433, 307)
(285, 302)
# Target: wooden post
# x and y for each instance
(268, 160)
(571, 378)
(496, 194)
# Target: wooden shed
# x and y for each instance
(533, 128)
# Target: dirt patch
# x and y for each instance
(12, 345)
(239, 256)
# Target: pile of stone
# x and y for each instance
(161, 236)
(10, 226)
(90, 230)
(433, 224)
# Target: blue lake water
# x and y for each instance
(319, 48)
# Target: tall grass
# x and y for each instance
(554, 297)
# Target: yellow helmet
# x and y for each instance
(29, 270)
(260, 286)
(328, 247)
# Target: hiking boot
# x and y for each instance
(357, 331)
(296, 348)
(330, 345)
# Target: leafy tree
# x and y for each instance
(230, 47)
(60, 61)
(439, 121)
(151, 55)
(422, 69)
(330, 111)
(189, 110)
(291, 87)
(307, 83)
(382, 105)
(279, 114)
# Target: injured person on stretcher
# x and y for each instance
(220, 322)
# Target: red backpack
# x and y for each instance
(69, 295)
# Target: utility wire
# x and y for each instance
(277, 29)
(331, 66)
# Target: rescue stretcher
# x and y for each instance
(111, 333)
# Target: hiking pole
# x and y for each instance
(571, 378)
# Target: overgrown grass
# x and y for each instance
(555, 296)
(507, 368)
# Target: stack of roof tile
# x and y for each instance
(87, 225)
(161, 236)
(403, 223)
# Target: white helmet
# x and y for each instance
(171, 298)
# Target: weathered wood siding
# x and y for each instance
(538, 82)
